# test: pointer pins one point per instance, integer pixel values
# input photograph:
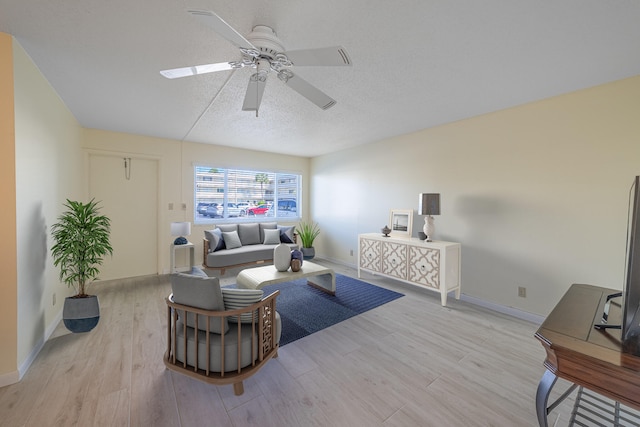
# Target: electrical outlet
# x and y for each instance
(522, 291)
(54, 299)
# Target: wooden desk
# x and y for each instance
(583, 355)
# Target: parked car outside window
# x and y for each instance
(201, 208)
(212, 211)
(286, 208)
(257, 210)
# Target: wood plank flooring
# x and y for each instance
(407, 363)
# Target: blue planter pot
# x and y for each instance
(308, 253)
(81, 314)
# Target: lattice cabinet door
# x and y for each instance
(394, 259)
(370, 254)
(424, 266)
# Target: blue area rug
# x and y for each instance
(305, 309)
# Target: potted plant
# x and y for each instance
(308, 233)
(81, 241)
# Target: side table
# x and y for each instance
(172, 265)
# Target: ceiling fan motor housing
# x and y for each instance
(266, 40)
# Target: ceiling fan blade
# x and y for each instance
(221, 27)
(310, 92)
(196, 69)
(253, 97)
(334, 55)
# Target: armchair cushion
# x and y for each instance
(200, 292)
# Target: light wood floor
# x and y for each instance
(410, 362)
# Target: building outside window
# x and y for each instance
(221, 194)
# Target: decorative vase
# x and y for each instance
(297, 254)
(308, 253)
(296, 264)
(281, 257)
(385, 231)
(81, 314)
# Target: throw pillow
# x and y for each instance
(227, 227)
(231, 239)
(241, 298)
(271, 237)
(249, 234)
(200, 292)
(267, 226)
(216, 242)
(286, 233)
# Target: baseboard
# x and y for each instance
(514, 312)
(33, 354)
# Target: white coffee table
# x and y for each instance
(317, 276)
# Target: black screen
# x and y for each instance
(631, 319)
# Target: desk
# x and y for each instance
(189, 246)
(583, 355)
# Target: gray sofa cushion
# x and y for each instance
(231, 239)
(242, 255)
(249, 234)
(200, 292)
(227, 227)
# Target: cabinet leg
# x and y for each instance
(443, 298)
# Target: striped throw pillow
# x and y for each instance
(240, 298)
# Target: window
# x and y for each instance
(232, 193)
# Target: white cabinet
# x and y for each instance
(434, 265)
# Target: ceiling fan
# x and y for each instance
(263, 50)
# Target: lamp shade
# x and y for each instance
(180, 228)
(429, 204)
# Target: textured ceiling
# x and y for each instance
(416, 63)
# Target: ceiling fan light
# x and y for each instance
(285, 75)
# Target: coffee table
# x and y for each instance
(317, 276)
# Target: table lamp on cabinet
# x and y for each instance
(429, 205)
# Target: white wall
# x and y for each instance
(48, 171)
(537, 194)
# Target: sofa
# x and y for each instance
(241, 244)
(219, 335)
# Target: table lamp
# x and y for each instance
(180, 229)
(429, 204)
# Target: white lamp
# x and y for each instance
(180, 229)
(429, 204)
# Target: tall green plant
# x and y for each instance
(81, 238)
(308, 233)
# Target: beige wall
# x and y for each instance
(48, 171)
(177, 160)
(537, 194)
(8, 270)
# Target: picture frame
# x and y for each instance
(401, 222)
